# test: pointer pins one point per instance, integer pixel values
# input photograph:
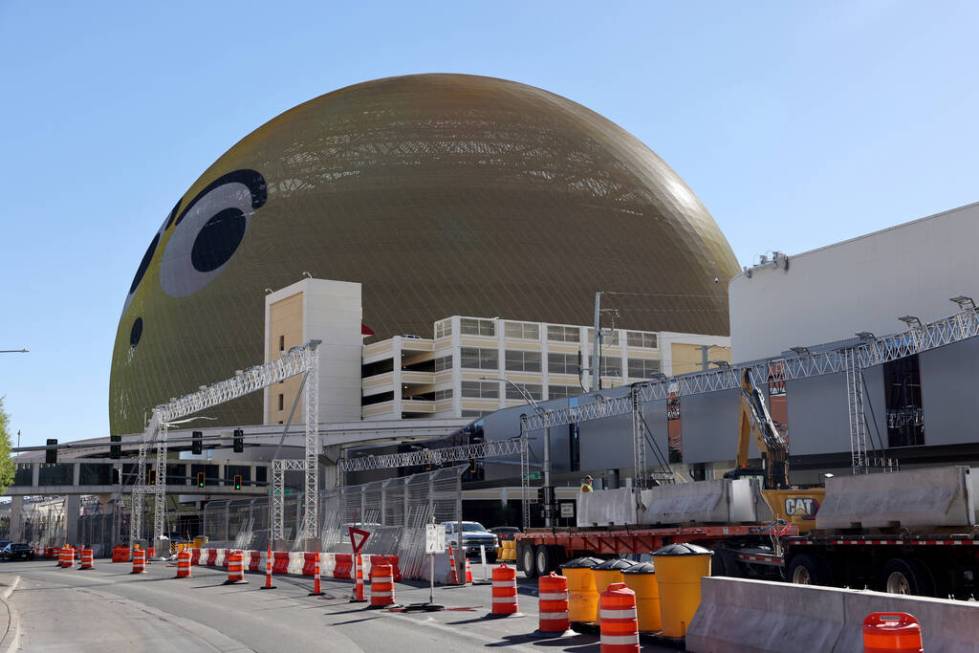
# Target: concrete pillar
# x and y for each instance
(73, 509)
(16, 519)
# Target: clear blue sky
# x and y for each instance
(797, 123)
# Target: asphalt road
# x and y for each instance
(107, 609)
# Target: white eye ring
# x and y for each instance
(206, 237)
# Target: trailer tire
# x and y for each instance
(542, 559)
(526, 559)
(725, 563)
(910, 577)
(805, 569)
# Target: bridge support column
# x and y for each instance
(16, 519)
(73, 509)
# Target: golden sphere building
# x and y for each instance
(442, 195)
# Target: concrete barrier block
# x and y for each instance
(748, 616)
(941, 496)
(718, 501)
(606, 507)
(946, 626)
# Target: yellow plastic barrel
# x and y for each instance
(679, 568)
(582, 595)
(610, 572)
(641, 579)
(200, 541)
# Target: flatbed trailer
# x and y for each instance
(540, 551)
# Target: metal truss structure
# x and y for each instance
(850, 359)
(298, 360)
(279, 469)
(434, 457)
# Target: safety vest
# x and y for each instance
(586, 487)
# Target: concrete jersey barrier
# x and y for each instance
(917, 498)
(750, 616)
(606, 507)
(719, 501)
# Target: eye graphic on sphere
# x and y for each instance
(208, 232)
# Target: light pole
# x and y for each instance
(547, 442)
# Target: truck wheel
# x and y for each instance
(907, 577)
(543, 560)
(805, 569)
(528, 560)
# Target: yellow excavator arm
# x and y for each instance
(756, 420)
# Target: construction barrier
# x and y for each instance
(236, 568)
(315, 574)
(184, 558)
(891, 632)
(139, 561)
(86, 559)
(469, 573)
(552, 595)
(382, 585)
(120, 554)
(296, 561)
(255, 561)
(195, 556)
(310, 564)
(49, 553)
(344, 563)
(222, 558)
(66, 557)
(619, 623)
(504, 591)
(738, 615)
(212, 558)
(280, 563)
(453, 569)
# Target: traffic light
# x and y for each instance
(197, 443)
(237, 481)
(151, 477)
(200, 479)
(51, 453)
(239, 441)
(115, 447)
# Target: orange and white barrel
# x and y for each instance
(618, 620)
(139, 561)
(86, 558)
(183, 563)
(236, 568)
(552, 595)
(382, 585)
(504, 590)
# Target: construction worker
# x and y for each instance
(586, 484)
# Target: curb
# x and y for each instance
(11, 639)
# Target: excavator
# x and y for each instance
(794, 505)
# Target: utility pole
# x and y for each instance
(596, 355)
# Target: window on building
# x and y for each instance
(562, 364)
(642, 339)
(443, 328)
(532, 389)
(471, 326)
(562, 391)
(611, 366)
(522, 330)
(523, 361)
(902, 402)
(479, 359)
(443, 363)
(282, 343)
(282, 402)
(443, 394)
(610, 337)
(640, 368)
(481, 389)
(557, 333)
(475, 413)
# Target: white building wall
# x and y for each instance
(863, 284)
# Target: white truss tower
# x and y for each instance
(298, 360)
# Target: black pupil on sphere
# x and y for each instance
(145, 263)
(218, 240)
(136, 332)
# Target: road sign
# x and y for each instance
(434, 538)
(533, 476)
(567, 510)
(358, 538)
